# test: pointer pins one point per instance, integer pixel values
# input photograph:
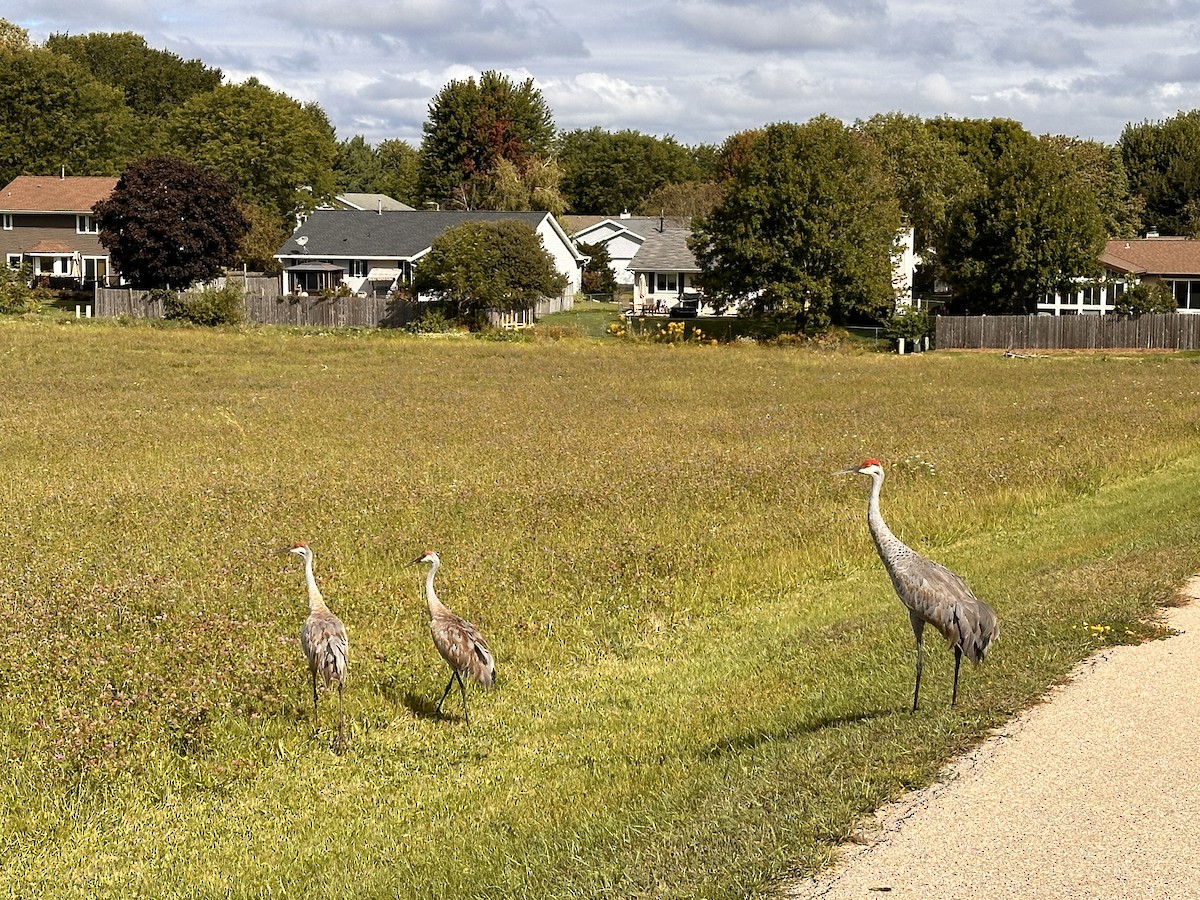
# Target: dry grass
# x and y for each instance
(704, 675)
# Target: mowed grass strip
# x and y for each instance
(704, 674)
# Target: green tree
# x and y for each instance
(605, 172)
(806, 228)
(357, 167)
(13, 38)
(472, 126)
(153, 81)
(265, 234)
(1162, 160)
(54, 115)
(929, 173)
(684, 202)
(169, 223)
(1031, 227)
(598, 276)
(278, 153)
(488, 265)
(1102, 169)
(399, 168)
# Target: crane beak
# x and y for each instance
(853, 470)
(415, 561)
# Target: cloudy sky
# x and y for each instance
(696, 69)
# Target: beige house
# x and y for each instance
(1174, 261)
(46, 223)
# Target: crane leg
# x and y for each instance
(918, 626)
(314, 679)
(446, 692)
(957, 663)
(462, 689)
(341, 717)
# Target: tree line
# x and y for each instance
(798, 220)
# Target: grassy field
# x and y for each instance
(704, 676)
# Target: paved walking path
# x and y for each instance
(1093, 794)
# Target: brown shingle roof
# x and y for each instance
(50, 193)
(51, 247)
(1153, 256)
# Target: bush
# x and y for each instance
(1145, 297)
(432, 321)
(908, 323)
(208, 306)
(16, 293)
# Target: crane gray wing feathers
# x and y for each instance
(463, 647)
(323, 639)
(941, 598)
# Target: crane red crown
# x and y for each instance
(869, 462)
(301, 544)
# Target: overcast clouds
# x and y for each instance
(697, 69)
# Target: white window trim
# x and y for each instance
(85, 223)
(8, 221)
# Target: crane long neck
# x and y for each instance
(885, 542)
(315, 600)
(430, 595)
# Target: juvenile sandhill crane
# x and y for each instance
(323, 639)
(930, 592)
(457, 640)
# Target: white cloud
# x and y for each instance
(698, 69)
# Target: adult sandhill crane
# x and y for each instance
(931, 592)
(323, 639)
(457, 640)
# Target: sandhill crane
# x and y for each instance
(457, 640)
(323, 639)
(930, 592)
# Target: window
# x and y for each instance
(8, 223)
(13, 260)
(358, 268)
(1090, 295)
(86, 225)
(665, 281)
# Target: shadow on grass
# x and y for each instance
(424, 707)
(754, 738)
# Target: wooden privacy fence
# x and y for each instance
(1165, 331)
(330, 312)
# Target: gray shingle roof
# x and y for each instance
(367, 234)
(664, 251)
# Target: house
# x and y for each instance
(622, 237)
(651, 253)
(374, 252)
(665, 271)
(46, 222)
(1175, 261)
(647, 253)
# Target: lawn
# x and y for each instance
(704, 676)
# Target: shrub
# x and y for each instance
(16, 293)
(908, 323)
(208, 306)
(432, 321)
(1145, 297)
